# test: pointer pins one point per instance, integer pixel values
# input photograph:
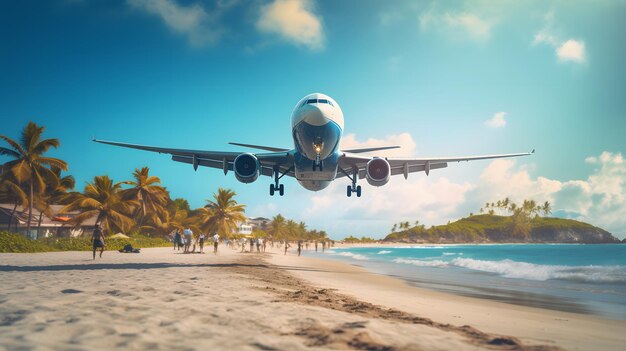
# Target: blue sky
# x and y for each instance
(442, 78)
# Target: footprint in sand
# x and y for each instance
(12, 318)
(71, 291)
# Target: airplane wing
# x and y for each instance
(350, 163)
(218, 159)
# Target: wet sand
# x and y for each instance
(164, 300)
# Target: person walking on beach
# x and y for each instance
(315, 245)
(299, 247)
(188, 237)
(201, 242)
(177, 240)
(286, 246)
(97, 239)
(323, 246)
(216, 241)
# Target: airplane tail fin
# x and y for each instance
(261, 147)
(370, 149)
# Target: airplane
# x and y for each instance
(316, 160)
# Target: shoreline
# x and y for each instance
(160, 299)
(569, 330)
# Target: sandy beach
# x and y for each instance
(164, 300)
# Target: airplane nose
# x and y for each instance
(314, 116)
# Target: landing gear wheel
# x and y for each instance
(272, 189)
(349, 191)
(281, 189)
(358, 191)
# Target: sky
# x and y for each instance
(439, 78)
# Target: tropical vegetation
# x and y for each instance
(141, 206)
(504, 221)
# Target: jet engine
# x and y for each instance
(378, 171)
(247, 168)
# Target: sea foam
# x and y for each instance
(353, 255)
(530, 271)
(422, 263)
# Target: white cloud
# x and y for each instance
(458, 24)
(404, 140)
(192, 21)
(475, 26)
(294, 21)
(497, 121)
(600, 199)
(571, 50)
(565, 50)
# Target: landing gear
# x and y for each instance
(318, 164)
(280, 188)
(352, 188)
(277, 186)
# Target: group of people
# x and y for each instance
(186, 240)
(259, 243)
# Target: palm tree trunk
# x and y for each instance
(30, 208)
(39, 224)
(11, 217)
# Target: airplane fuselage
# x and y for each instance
(317, 127)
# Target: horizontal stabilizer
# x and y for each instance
(370, 149)
(261, 147)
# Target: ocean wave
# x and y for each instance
(531, 271)
(382, 252)
(449, 253)
(353, 255)
(422, 263)
(422, 247)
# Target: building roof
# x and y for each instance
(57, 219)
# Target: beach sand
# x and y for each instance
(162, 300)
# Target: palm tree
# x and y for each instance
(102, 199)
(172, 218)
(11, 192)
(148, 192)
(393, 229)
(278, 227)
(55, 192)
(222, 215)
(29, 165)
(292, 230)
(546, 208)
(505, 203)
(302, 232)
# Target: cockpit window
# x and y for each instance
(318, 101)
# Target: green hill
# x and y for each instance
(488, 228)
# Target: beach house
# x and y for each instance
(49, 223)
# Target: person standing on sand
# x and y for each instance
(315, 245)
(216, 241)
(177, 240)
(188, 237)
(201, 242)
(299, 247)
(323, 246)
(97, 239)
(286, 246)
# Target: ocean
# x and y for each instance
(568, 277)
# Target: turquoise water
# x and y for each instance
(574, 278)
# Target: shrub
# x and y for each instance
(11, 242)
